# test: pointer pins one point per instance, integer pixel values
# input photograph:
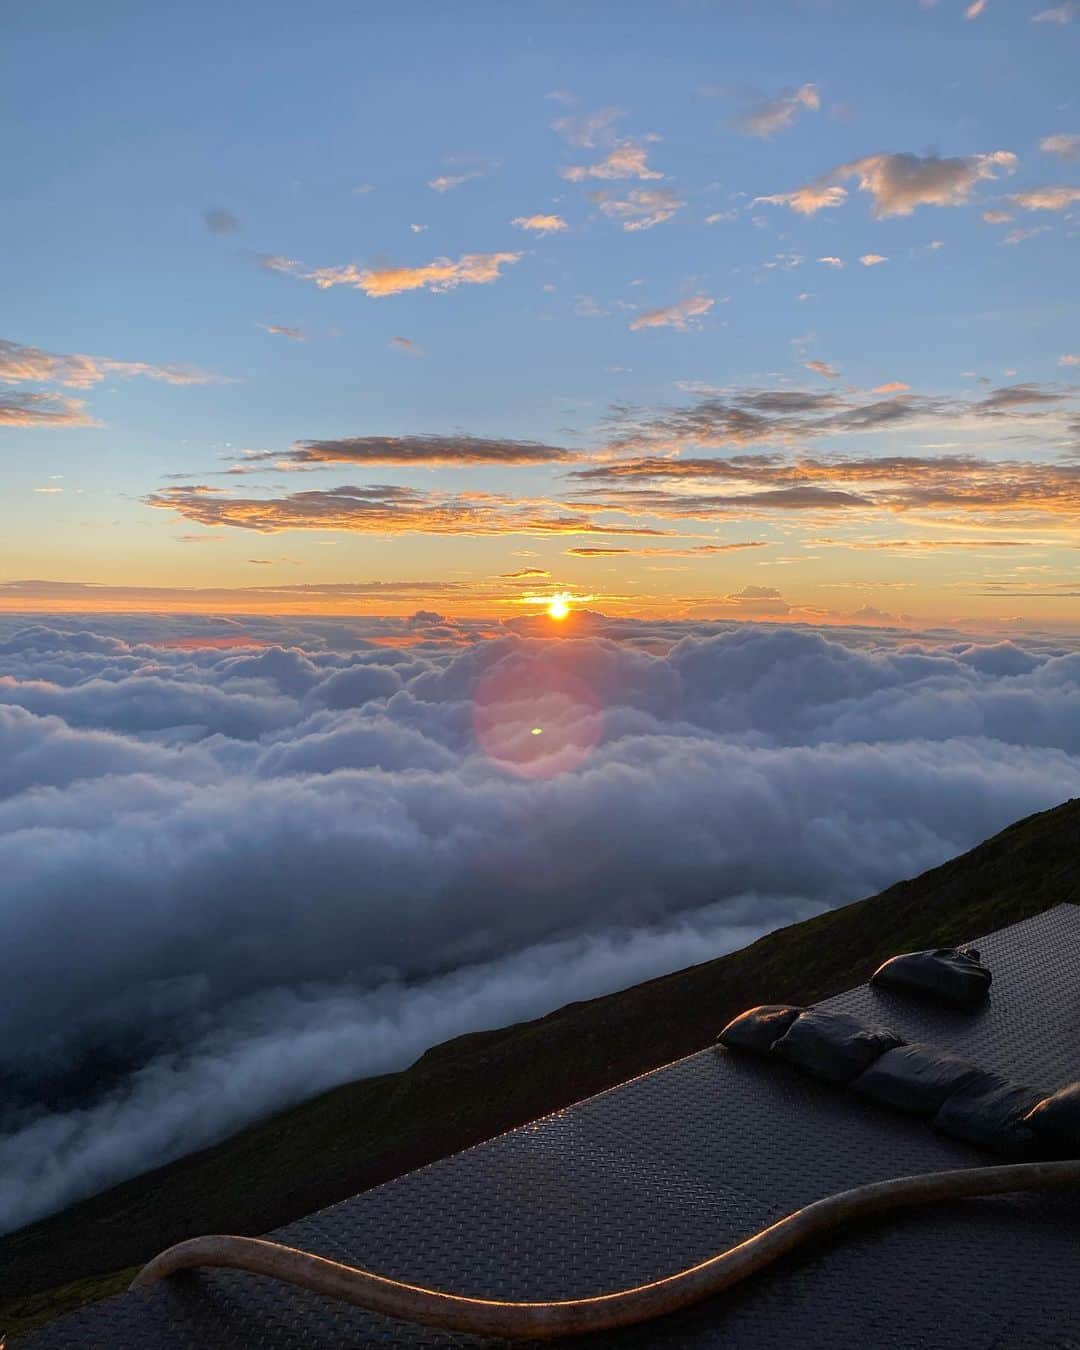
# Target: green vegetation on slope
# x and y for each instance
(476, 1086)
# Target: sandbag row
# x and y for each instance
(959, 1099)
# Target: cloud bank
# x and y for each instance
(280, 865)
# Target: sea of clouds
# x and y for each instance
(233, 877)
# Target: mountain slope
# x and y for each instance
(476, 1086)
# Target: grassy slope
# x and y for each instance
(479, 1085)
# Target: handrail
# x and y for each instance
(600, 1312)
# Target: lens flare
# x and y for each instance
(558, 607)
(535, 716)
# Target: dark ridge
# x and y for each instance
(479, 1085)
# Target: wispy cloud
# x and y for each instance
(695, 551)
(778, 114)
(447, 182)
(31, 365)
(831, 261)
(1018, 236)
(406, 345)
(641, 208)
(1069, 359)
(978, 491)
(823, 369)
(1064, 13)
(735, 418)
(22, 409)
(872, 259)
(296, 598)
(680, 315)
(279, 330)
(1065, 145)
(898, 183)
(892, 387)
(442, 274)
(588, 130)
(975, 9)
(540, 224)
(807, 200)
(1046, 198)
(626, 160)
(433, 449)
(384, 509)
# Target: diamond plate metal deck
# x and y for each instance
(669, 1168)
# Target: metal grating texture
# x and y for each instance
(669, 1168)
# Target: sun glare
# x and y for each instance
(558, 607)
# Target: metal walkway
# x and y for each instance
(666, 1170)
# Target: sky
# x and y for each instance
(678, 310)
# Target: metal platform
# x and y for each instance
(666, 1170)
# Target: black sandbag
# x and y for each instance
(953, 975)
(990, 1112)
(1056, 1119)
(915, 1078)
(833, 1046)
(757, 1028)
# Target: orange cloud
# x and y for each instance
(442, 274)
(540, 224)
(777, 114)
(447, 182)
(989, 492)
(19, 409)
(19, 364)
(931, 545)
(312, 598)
(807, 200)
(383, 509)
(892, 387)
(1046, 198)
(626, 160)
(700, 550)
(1063, 145)
(680, 315)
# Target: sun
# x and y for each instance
(557, 607)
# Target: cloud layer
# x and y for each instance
(307, 858)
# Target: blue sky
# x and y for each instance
(315, 133)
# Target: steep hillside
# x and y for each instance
(476, 1086)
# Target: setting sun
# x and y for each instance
(558, 607)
